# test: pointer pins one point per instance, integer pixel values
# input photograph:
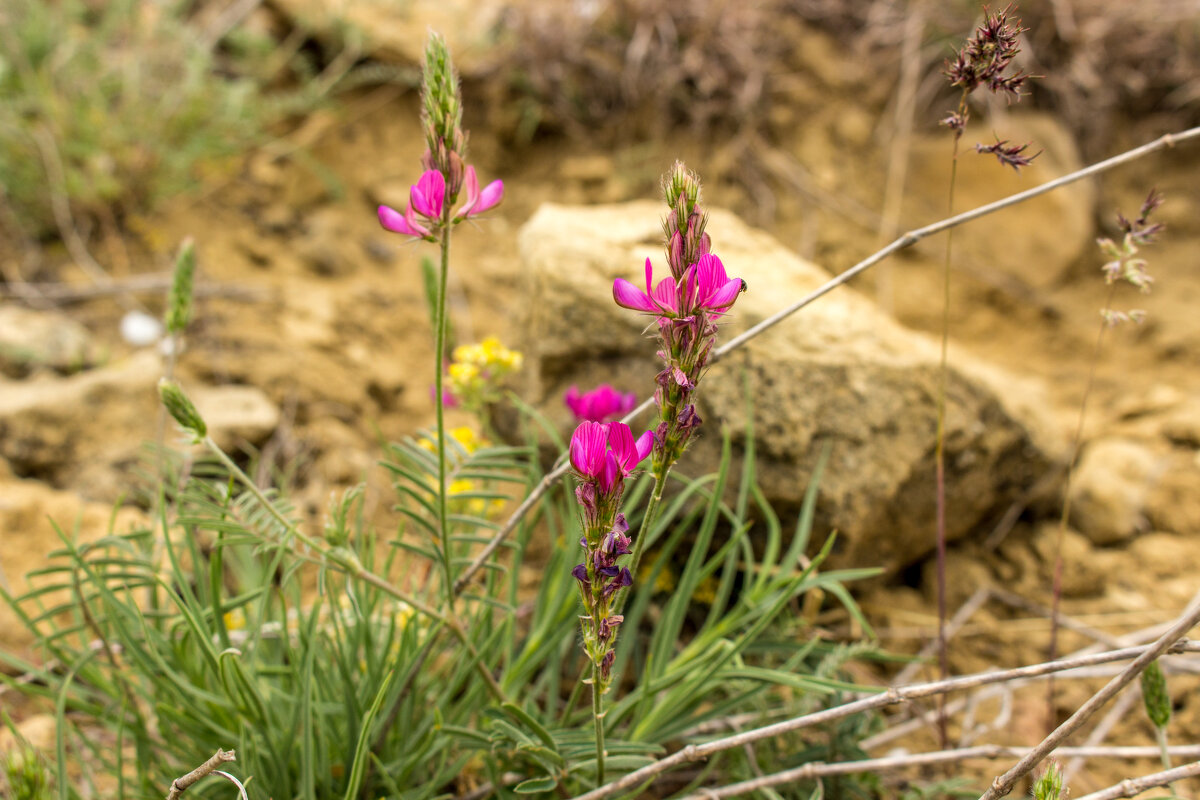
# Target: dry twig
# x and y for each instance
(894, 696)
(1133, 786)
(181, 785)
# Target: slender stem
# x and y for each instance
(438, 380)
(598, 718)
(1170, 642)
(648, 519)
(1064, 519)
(940, 459)
(907, 240)
(1164, 748)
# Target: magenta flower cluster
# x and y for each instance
(603, 455)
(602, 404)
(427, 204)
(687, 304)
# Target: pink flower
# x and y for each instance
(427, 198)
(663, 299)
(709, 287)
(605, 452)
(600, 404)
(705, 286)
(477, 202)
(429, 193)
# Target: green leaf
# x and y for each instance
(536, 785)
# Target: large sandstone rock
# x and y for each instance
(839, 373)
(82, 430)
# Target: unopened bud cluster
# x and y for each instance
(446, 173)
(688, 305)
(603, 455)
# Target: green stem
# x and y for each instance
(598, 716)
(1164, 750)
(648, 520)
(439, 369)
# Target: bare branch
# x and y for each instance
(892, 696)
(1003, 784)
(1133, 786)
(181, 785)
(817, 769)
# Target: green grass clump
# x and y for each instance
(114, 106)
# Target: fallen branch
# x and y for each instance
(890, 697)
(1003, 784)
(817, 769)
(1133, 786)
(181, 785)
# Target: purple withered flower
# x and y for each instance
(600, 404)
(1012, 155)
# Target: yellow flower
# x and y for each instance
(235, 620)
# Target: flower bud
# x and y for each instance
(181, 409)
(1155, 696)
(179, 307)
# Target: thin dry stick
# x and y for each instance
(817, 769)
(960, 618)
(890, 697)
(1097, 735)
(181, 785)
(1003, 784)
(907, 240)
(153, 283)
(1133, 786)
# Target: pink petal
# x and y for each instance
(429, 194)
(394, 221)
(490, 196)
(471, 187)
(610, 474)
(587, 448)
(644, 445)
(723, 297)
(571, 398)
(629, 296)
(620, 442)
(666, 296)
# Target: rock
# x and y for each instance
(395, 32)
(1015, 241)
(1083, 575)
(32, 340)
(1109, 489)
(323, 248)
(841, 373)
(29, 511)
(53, 428)
(1172, 503)
(235, 414)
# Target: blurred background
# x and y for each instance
(269, 130)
